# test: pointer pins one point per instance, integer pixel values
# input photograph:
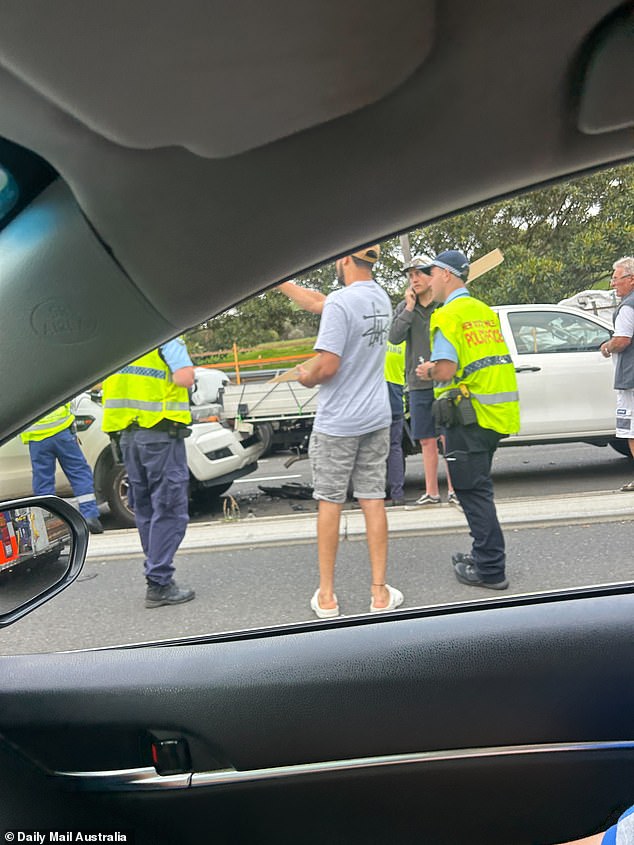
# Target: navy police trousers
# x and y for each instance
(159, 478)
(469, 453)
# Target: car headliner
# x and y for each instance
(216, 149)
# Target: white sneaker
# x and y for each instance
(452, 499)
(424, 500)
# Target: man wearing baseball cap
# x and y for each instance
(477, 401)
(411, 324)
(351, 433)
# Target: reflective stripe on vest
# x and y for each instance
(58, 420)
(148, 406)
(143, 393)
(485, 366)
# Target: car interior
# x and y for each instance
(536, 332)
(172, 160)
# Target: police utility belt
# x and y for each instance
(454, 408)
(175, 429)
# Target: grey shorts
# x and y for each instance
(335, 461)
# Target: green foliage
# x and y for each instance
(556, 242)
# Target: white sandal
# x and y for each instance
(323, 612)
(396, 600)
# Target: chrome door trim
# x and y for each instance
(123, 780)
(148, 779)
(426, 757)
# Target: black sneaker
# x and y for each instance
(459, 557)
(466, 574)
(158, 596)
(94, 525)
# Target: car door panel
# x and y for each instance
(571, 402)
(519, 674)
(565, 393)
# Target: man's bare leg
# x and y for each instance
(430, 465)
(328, 518)
(376, 533)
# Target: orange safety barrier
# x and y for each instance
(251, 361)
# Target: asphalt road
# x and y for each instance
(252, 588)
(519, 471)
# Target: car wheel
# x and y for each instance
(117, 496)
(622, 447)
(265, 433)
(216, 491)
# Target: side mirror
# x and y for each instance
(43, 544)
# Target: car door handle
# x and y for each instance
(527, 368)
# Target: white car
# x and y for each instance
(565, 384)
(216, 455)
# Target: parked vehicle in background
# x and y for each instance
(216, 454)
(599, 302)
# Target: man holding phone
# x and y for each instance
(411, 324)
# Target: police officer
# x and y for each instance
(52, 438)
(146, 407)
(477, 399)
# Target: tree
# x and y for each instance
(556, 241)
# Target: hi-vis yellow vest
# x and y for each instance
(143, 393)
(51, 424)
(395, 363)
(485, 365)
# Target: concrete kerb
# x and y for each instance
(302, 528)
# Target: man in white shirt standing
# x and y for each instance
(621, 347)
(350, 437)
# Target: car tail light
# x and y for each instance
(207, 413)
(83, 422)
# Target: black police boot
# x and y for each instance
(94, 525)
(158, 596)
(466, 574)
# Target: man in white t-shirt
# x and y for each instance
(620, 346)
(350, 437)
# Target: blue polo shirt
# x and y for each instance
(175, 354)
(442, 349)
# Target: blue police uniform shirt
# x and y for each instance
(442, 349)
(175, 354)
